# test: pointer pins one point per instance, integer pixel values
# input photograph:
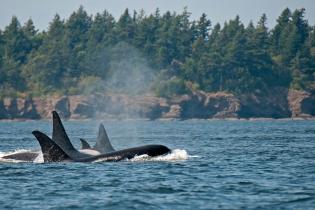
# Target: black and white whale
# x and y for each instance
(27, 156)
(59, 148)
(102, 146)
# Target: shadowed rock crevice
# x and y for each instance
(302, 103)
(307, 106)
(271, 104)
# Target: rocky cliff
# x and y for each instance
(278, 103)
(301, 103)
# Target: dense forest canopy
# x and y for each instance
(156, 53)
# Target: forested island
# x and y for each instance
(158, 65)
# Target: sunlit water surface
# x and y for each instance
(214, 165)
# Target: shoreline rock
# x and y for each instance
(276, 104)
(301, 103)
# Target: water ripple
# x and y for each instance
(220, 165)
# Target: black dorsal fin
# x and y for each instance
(103, 144)
(85, 144)
(61, 138)
(51, 151)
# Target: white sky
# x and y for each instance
(42, 11)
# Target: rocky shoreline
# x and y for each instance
(279, 103)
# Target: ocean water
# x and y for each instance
(214, 165)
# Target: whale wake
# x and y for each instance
(175, 155)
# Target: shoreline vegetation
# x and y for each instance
(158, 66)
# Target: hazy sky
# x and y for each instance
(42, 11)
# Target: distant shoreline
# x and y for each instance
(165, 119)
(277, 104)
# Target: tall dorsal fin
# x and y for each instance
(61, 138)
(84, 144)
(103, 144)
(51, 151)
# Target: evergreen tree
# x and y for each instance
(147, 34)
(16, 49)
(83, 50)
(76, 36)
(101, 38)
(47, 66)
(101, 32)
(165, 51)
(2, 73)
(34, 40)
(126, 27)
(184, 39)
(298, 33)
(16, 44)
(203, 27)
(303, 67)
(279, 33)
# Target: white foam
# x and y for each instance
(39, 158)
(175, 155)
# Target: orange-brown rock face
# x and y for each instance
(301, 103)
(278, 103)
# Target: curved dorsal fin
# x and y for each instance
(61, 138)
(103, 144)
(84, 144)
(51, 151)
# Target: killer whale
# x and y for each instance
(53, 153)
(28, 156)
(102, 144)
(59, 148)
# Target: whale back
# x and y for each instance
(23, 156)
(150, 150)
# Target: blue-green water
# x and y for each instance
(230, 165)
